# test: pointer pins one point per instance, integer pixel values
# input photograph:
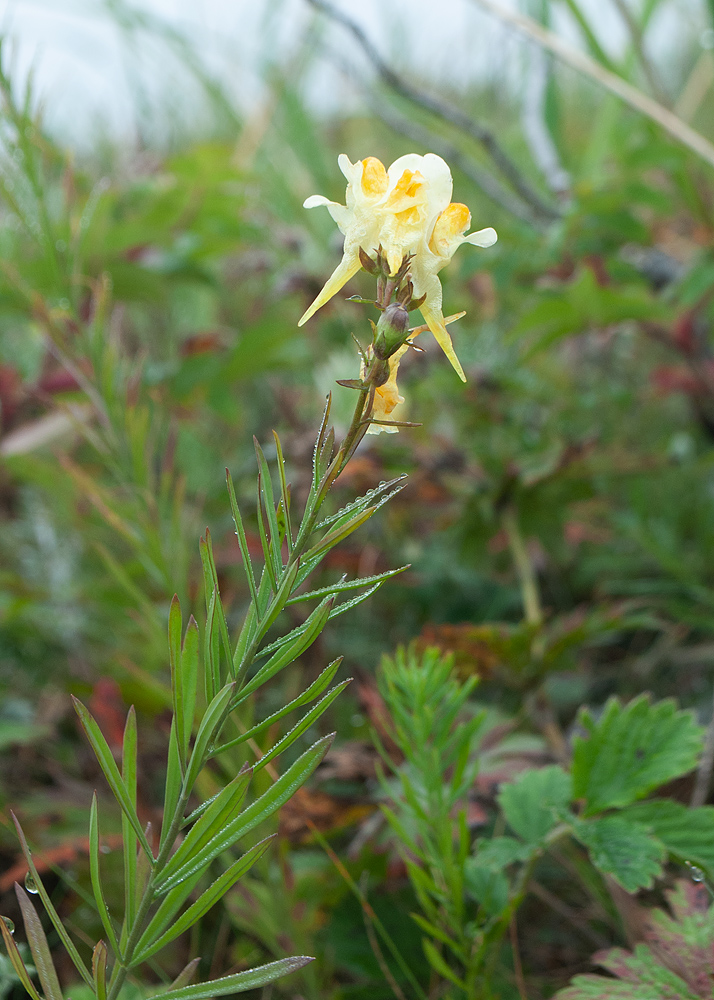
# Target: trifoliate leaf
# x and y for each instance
(688, 834)
(643, 979)
(622, 849)
(533, 802)
(631, 750)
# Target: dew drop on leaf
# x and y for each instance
(695, 873)
(9, 924)
(30, 884)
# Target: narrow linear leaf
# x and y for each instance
(175, 630)
(242, 540)
(38, 946)
(111, 771)
(337, 535)
(439, 965)
(360, 502)
(239, 982)
(96, 879)
(219, 813)
(287, 652)
(313, 691)
(284, 492)
(203, 904)
(129, 840)
(258, 811)
(16, 960)
(266, 485)
(284, 591)
(189, 679)
(308, 720)
(222, 624)
(174, 780)
(208, 730)
(49, 908)
(269, 558)
(343, 585)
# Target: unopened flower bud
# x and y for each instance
(391, 331)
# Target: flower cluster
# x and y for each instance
(407, 212)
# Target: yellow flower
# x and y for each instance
(408, 211)
(386, 397)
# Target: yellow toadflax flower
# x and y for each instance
(408, 211)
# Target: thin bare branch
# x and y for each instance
(645, 105)
(638, 44)
(477, 131)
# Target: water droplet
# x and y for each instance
(107, 850)
(695, 872)
(30, 884)
(64, 303)
(60, 246)
(9, 924)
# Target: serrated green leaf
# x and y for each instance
(281, 790)
(38, 946)
(500, 852)
(146, 947)
(631, 750)
(622, 849)
(239, 982)
(111, 771)
(644, 978)
(96, 879)
(533, 802)
(54, 916)
(688, 834)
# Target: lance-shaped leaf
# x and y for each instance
(186, 974)
(215, 818)
(308, 720)
(266, 487)
(208, 730)
(288, 649)
(146, 948)
(338, 534)
(52, 913)
(279, 792)
(360, 503)
(16, 959)
(111, 771)
(346, 585)
(38, 946)
(311, 692)
(173, 782)
(95, 877)
(209, 565)
(239, 982)
(175, 630)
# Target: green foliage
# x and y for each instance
(631, 750)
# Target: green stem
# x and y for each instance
(524, 567)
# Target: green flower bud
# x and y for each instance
(391, 331)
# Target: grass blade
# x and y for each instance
(129, 841)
